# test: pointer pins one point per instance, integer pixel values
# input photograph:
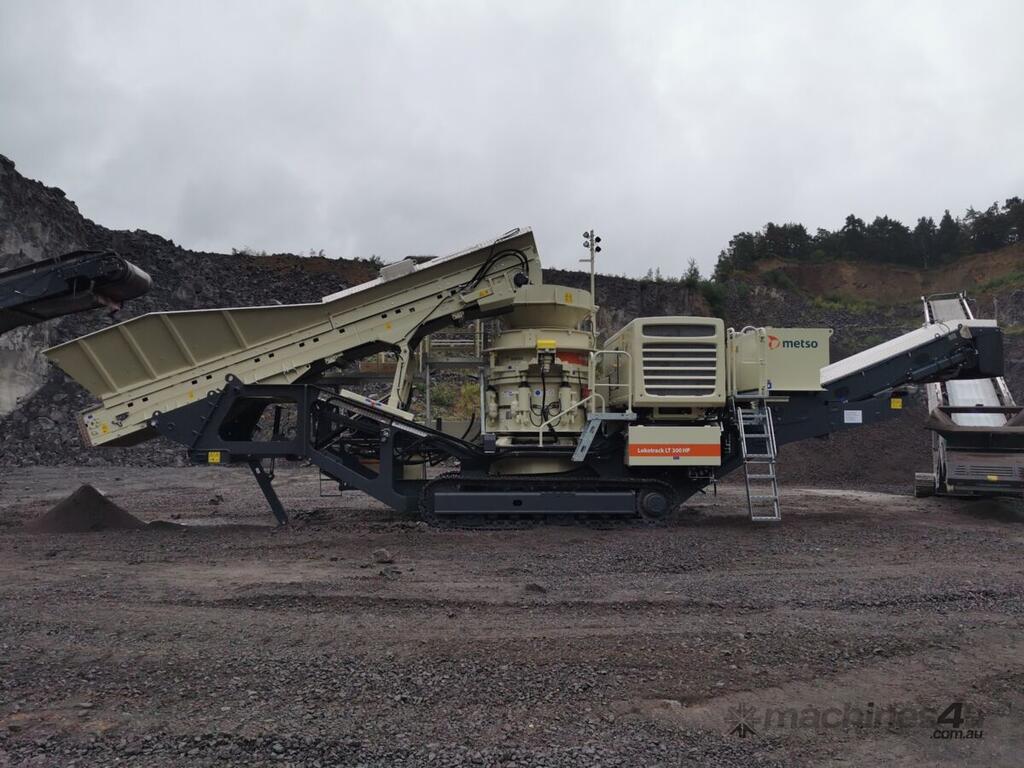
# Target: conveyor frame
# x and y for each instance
(78, 281)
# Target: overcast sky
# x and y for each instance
(392, 128)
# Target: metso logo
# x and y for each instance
(774, 342)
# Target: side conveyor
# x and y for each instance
(864, 387)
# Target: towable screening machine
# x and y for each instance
(566, 427)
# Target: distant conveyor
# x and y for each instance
(978, 440)
(75, 282)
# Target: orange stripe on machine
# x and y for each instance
(675, 449)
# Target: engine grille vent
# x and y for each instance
(680, 368)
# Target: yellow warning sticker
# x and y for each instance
(104, 428)
(896, 403)
(568, 298)
(546, 344)
(213, 457)
(992, 478)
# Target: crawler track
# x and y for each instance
(503, 519)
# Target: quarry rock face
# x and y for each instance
(22, 369)
(36, 222)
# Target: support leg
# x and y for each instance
(267, 486)
(402, 383)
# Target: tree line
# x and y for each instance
(884, 240)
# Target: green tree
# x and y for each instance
(986, 230)
(889, 241)
(947, 238)
(1013, 210)
(853, 237)
(924, 240)
(691, 278)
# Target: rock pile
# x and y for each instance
(83, 511)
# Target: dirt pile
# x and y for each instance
(85, 510)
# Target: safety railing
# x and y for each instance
(593, 384)
(595, 397)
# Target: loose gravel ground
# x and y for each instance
(229, 642)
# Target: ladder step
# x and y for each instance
(755, 428)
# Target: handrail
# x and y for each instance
(592, 374)
(592, 385)
(730, 357)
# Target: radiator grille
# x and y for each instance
(681, 368)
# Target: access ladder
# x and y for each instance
(757, 442)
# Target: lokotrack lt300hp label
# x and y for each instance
(675, 446)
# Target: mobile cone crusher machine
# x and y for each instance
(567, 428)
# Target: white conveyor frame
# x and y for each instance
(897, 347)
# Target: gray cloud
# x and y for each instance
(416, 127)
